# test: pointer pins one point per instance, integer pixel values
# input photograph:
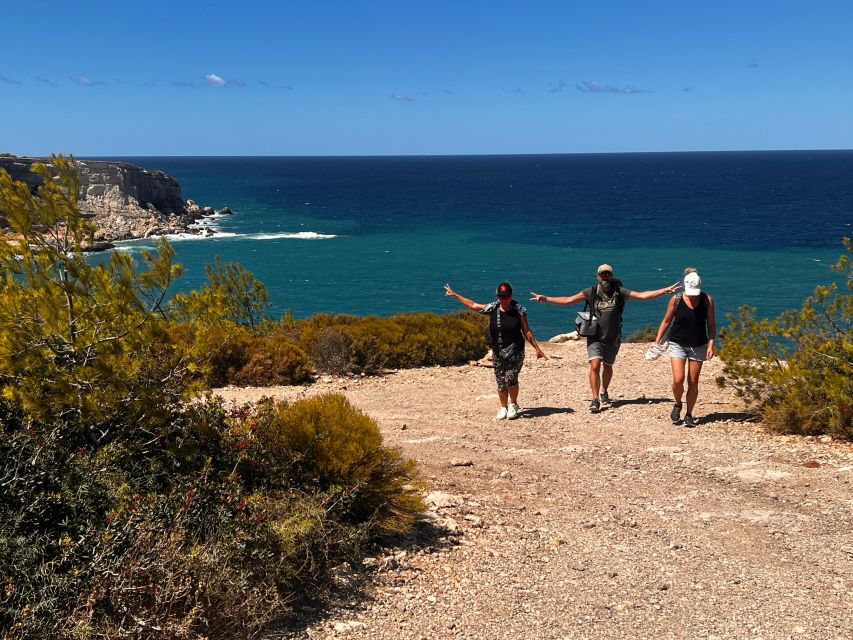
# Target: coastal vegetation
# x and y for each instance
(133, 505)
(648, 333)
(797, 369)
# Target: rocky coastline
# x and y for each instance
(125, 202)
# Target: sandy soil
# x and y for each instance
(563, 524)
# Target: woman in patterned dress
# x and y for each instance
(508, 328)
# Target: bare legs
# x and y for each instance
(600, 375)
(510, 394)
(694, 368)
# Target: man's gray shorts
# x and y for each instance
(605, 351)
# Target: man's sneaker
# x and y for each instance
(689, 421)
(605, 399)
(512, 411)
(675, 416)
(501, 414)
(594, 406)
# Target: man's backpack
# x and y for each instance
(586, 323)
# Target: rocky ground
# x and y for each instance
(563, 524)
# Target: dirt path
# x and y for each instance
(616, 525)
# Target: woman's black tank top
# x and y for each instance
(510, 330)
(690, 326)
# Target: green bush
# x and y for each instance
(126, 512)
(335, 447)
(209, 530)
(369, 344)
(797, 369)
(218, 351)
(646, 334)
(336, 344)
(232, 294)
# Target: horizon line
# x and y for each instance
(472, 155)
(440, 155)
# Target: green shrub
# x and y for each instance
(798, 368)
(232, 294)
(646, 334)
(369, 344)
(336, 446)
(209, 530)
(126, 512)
(218, 351)
(83, 341)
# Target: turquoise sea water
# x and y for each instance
(381, 235)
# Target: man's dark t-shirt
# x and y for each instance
(608, 308)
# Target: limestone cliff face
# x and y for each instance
(125, 201)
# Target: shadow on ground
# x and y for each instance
(539, 412)
(347, 588)
(640, 400)
(728, 417)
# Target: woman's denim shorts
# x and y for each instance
(688, 353)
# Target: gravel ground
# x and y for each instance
(563, 524)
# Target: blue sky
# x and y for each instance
(326, 77)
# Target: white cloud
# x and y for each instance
(83, 81)
(590, 86)
(213, 80)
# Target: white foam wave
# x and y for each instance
(208, 221)
(137, 247)
(179, 237)
(298, 235)
(219, 235)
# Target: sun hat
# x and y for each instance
(504, 289)
(692, 284)
(604, 267)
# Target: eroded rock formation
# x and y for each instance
(125, 201)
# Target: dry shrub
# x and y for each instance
(170, 586)
(331, 351)
(273, 362)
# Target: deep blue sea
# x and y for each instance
(377, 235)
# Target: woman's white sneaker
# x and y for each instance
(502, 414)
(512, 411)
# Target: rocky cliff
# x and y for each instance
(125, 201)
